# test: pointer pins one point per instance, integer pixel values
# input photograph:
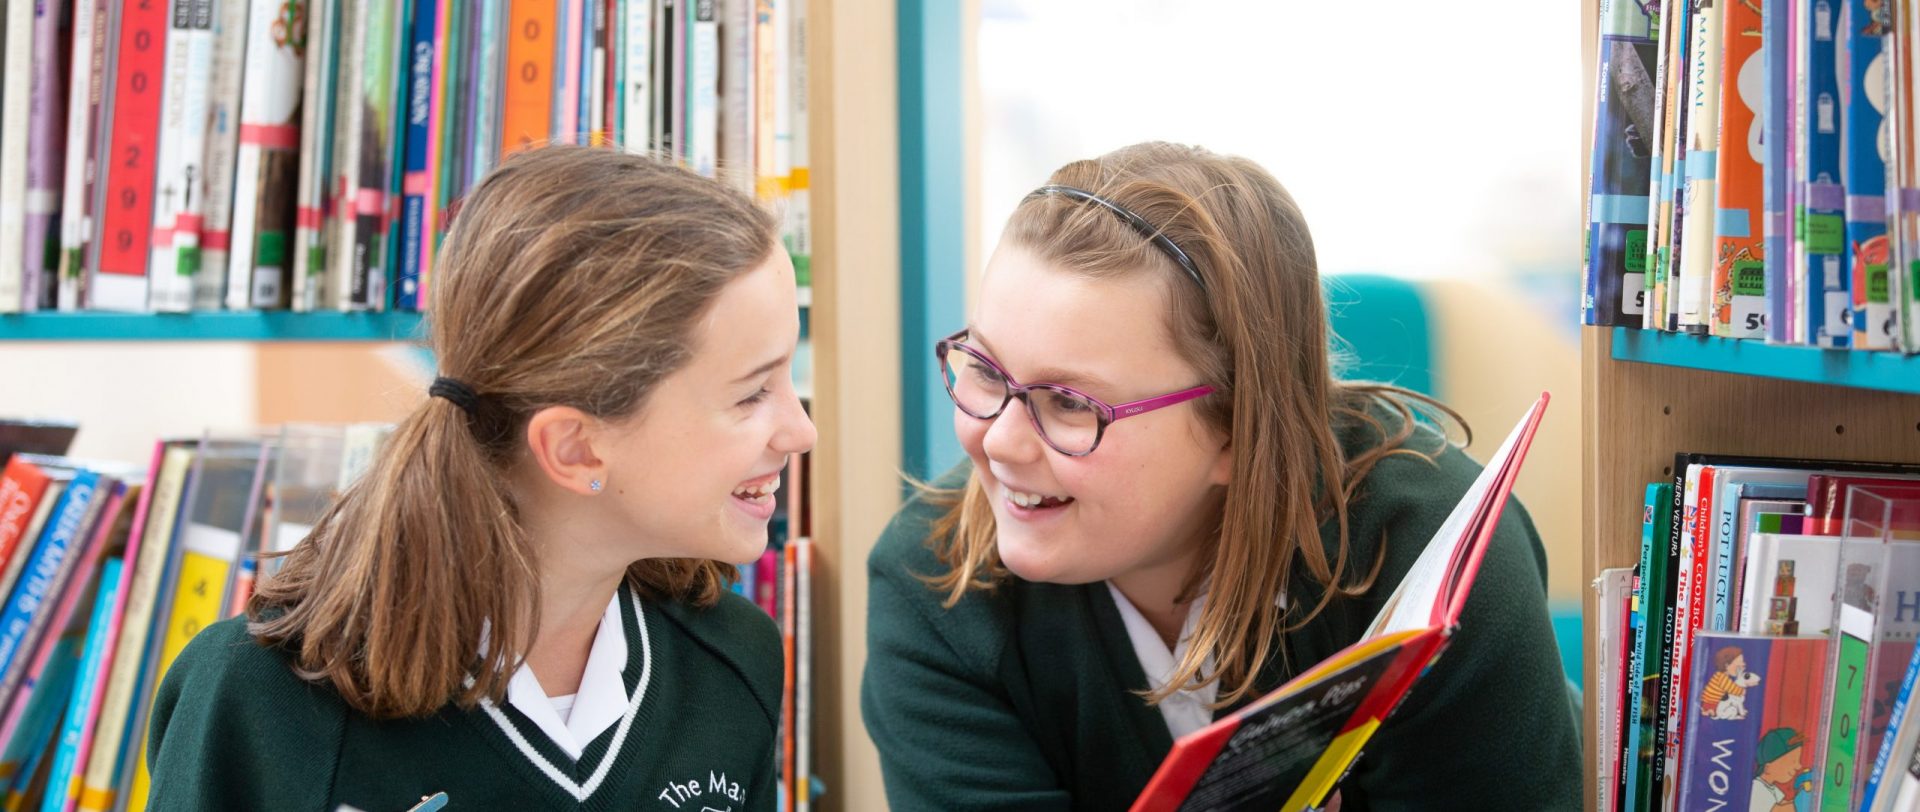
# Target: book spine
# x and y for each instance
(215, 286)
(1617, 207)
(1665, 211)
(315, 198)
(417, 184)
(345, 286)
(567, 75)
(1849, 691)
(1777, 124)
(379, 60)
(595, 70)
(63, 789)
(46, 157)
(436, 216)
(799, 220)
(1736, 306)
(1864, 173)
(737, 93)
(703, 87)
(22, 485)
(175, 260)
(1820, 220)
(268, 160)
(487, 82)
(527, 97)
(19, 289)
(84, 107)
(636, 125)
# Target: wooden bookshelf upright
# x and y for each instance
(1647, 396)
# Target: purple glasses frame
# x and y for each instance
(1107, 415)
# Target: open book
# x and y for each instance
(1290, 748)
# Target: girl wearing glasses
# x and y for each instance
(1170, 506)
(523, 604)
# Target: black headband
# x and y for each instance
(458, 393)
(1139, 224)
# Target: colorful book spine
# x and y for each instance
(436, 215)
(46, 158)
(22, 485)
(1666, 209)
(526, 100)
(24, 752)
(380, 61)
(1615, 259)
(345, 285)
(63, 787)
(84, 108)
(1702, 144)
(1864, 171)
(1776, 128)
(213, 284)
(315, 199)
(1905, 279)
(19, 290)
(175, 260)
(488, 81)
(1643, 692)
(1738, 301)
(1844, 731)
(413, 210)
(267, 161)
(1821, 258)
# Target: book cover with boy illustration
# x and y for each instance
(1756, 708)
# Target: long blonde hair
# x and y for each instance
(1258, 335)
(573, 276)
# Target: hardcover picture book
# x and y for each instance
(1288, 750)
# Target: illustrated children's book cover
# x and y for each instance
(1756, 707)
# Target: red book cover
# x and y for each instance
(1827, 498)
(21, 486)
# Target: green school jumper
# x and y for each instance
(234, 728)
(1023, 697)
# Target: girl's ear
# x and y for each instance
(560, 441)
(1222, 472)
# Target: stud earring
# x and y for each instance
(594, 486)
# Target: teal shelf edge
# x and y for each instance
(1882, 371)
(255, 326)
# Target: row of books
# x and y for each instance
(1762, 650)
(108, 570)
(1755, 172)
(311, 154)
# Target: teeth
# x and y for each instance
(760, 491)
(1030, 500)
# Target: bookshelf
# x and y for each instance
(851, 316)
(1646, 396)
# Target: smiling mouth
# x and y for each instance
(759, 492)
(1036, 501)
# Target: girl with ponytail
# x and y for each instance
(1170, 506)
(523, 604)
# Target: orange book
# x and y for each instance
(1739, 304)
(527, 101)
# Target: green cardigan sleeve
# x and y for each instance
(234, 729)
(1492, 726)
(940, 715)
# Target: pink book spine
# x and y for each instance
(430, 232)
(570, 79)
(766, 582)
(70, 594)
(118, 618)
(46, 150)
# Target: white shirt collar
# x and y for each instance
(601, 700)
(1187, 710)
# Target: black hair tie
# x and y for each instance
(459, 394)
(1136, 222)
